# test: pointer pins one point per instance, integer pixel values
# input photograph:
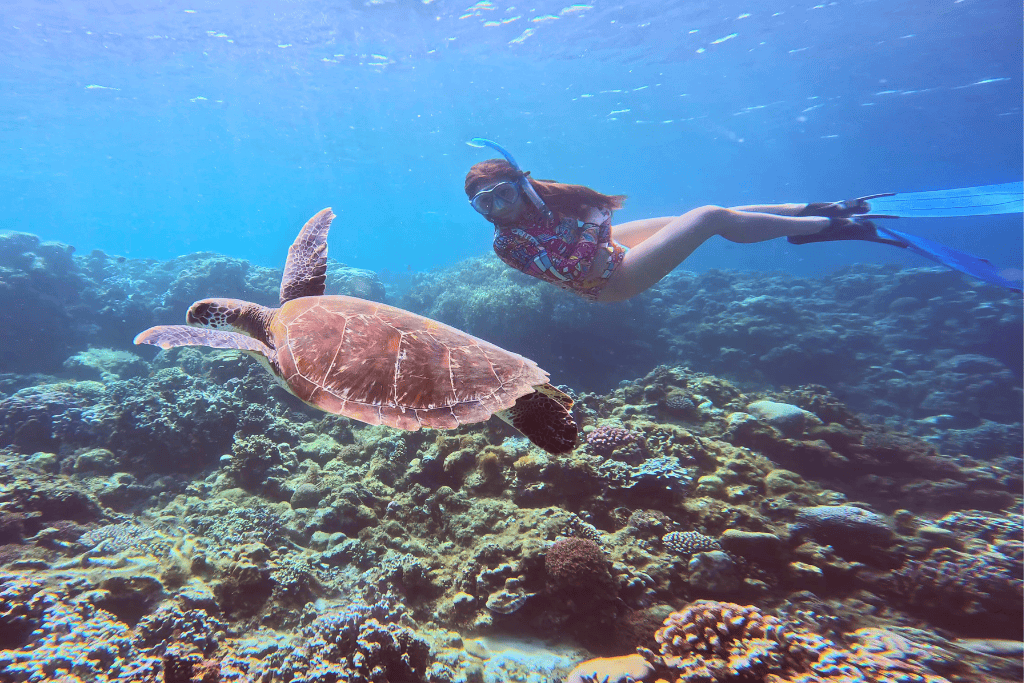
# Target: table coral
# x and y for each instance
(112, 539)
(689, 542)
(842, 523)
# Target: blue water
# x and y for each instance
(154, 129)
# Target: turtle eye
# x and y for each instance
(199, 314)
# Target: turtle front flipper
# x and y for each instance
(169, 336)
(544, 417)
(305, 272)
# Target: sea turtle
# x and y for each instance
(374, 362)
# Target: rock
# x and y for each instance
(507, 601)
(121, 491)
(197, 596)
(788, 419)
(993, 646)
(47, 462)
(905, 521)
(714, 572)
(97, 461)
(320, 540)
(709, 485)
(105, 365)
(938, 536)
(320, 449)
(463, 599)
(756, 586)
(779, 482)
(476, 647)
(753, 544)
(306, 496)
(807, 576)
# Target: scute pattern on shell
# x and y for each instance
(382, 365)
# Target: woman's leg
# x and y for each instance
(634, 232)
(777, 209)
(655, 257)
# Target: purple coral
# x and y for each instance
(618, 443)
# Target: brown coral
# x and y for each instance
(577, 562)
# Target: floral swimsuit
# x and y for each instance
(561, 250)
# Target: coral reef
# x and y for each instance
(858, 479)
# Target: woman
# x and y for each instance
(563, 233)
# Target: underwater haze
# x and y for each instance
(413, 463)
(156, 129)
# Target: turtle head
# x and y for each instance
(216, 314)
(233, 315)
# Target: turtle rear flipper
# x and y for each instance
(169, 336)
(305, 271)
(544, 417)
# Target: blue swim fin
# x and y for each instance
(970, 264)
(984, 200)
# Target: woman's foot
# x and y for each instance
(839, 229)
(848, 208)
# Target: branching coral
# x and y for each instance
(728, 643)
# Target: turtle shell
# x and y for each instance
(383, 365)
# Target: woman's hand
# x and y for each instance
(600, 262)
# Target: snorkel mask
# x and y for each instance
(523, 182)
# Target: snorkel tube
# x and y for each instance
(524, 182)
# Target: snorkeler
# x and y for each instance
(563, 233)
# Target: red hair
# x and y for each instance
(568, 200)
